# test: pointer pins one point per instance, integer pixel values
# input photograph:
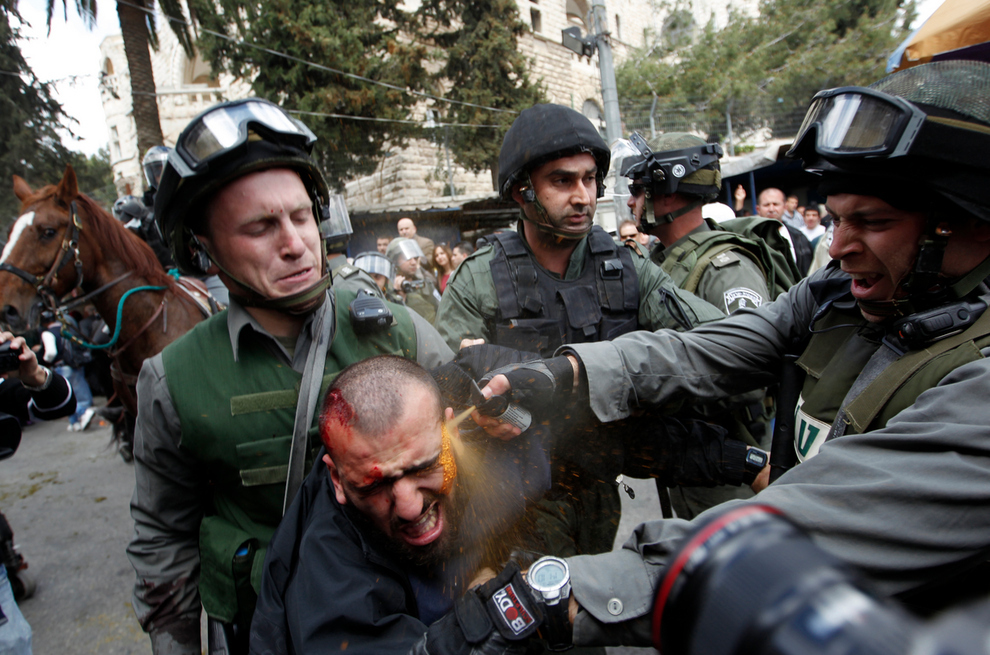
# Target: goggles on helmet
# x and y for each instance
(854, 121)
(661, 173)
(225, 128)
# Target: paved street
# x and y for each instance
(66, 496)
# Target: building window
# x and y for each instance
(534, 20)
(618, 28)
(577, 12)
(114, 143)
(108, 66)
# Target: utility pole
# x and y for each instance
(585, 46)
(610, 93)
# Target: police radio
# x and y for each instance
(369, 313)
(936, 324)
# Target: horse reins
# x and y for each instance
(69, 248)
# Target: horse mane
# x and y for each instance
(134, 253)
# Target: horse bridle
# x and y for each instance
(69, 249)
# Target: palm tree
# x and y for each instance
(137, 25)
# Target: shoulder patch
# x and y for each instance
(741, 297)
(724, 259)
(346, 270)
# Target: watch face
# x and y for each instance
(547, 574)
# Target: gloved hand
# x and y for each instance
(496, 618)
(482, 359)
(538, 384)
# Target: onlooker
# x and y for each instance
(68, 362)
(630, 234)
(792, 214)
(771, 205)
(382, 244)
(407, 229)
(443, 265)
(812, 228)
(461, 252)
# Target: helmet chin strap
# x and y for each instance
(925, 285)
(650, 218)
(544, 224)
(299, 303)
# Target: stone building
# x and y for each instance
(413, 181)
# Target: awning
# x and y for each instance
(959, 29)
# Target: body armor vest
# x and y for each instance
(237, 419)
(539, 312)
(837, 353)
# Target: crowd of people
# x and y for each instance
(306, 471)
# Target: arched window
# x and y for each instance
(108, 66)
(577, 12)
(593, 113)
(198, 71)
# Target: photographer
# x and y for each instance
(412, 283)
(27, 390)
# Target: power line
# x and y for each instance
(383, 120)
(284, 55)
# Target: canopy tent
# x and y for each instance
(959, 29)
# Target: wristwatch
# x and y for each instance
(550, 580)
(754, 462)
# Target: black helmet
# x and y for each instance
(222, 144)
(129, 208)
(153, 164)
(675, 162)
(921, 132)
(918, 140)
(543, 133)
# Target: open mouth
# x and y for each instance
(863, 282)
(297, 276)
(426, 529)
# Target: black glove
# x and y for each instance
(537, 385)
(496, 618)
(481, 360)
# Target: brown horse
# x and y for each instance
(63, 241)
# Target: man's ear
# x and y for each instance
(335, 478)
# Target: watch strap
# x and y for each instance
(557, 630)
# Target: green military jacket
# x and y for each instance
(469, 306)
(237, 415)
(713, 265)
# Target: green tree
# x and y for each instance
(477, 41)
(29, 145)
(765, 69)
(95, 176)
(359, 37)
(137, 26)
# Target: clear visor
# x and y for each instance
(153, 172)
(402, 249)
(227, 127)
(861, 122)
(374, 262)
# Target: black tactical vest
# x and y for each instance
(539, 312)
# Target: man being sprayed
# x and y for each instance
(394, 521)
(223, 432)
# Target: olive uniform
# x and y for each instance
(501, 294)
(723, 269)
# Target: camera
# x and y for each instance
(408, 286)
(9, 358)
(751, 582)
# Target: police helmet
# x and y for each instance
(920, 135)
(543, 133)
(676, 162)
(374, 262)
(154, 164)
(401, 249)
(220, 145)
